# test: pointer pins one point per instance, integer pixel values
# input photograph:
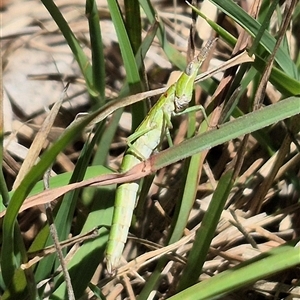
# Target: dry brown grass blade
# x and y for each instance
(267, 72)
(39, 255)
(285, 147)
(128, 287)
(153, 255)
(279, 160)
(239, 59)
(119, 103)
(46, 196)
(38, 142)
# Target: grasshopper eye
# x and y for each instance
(189, 68)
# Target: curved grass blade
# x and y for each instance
(266, 264)
(8, 260)
(243, 125)
(234, 11)
(285, 83)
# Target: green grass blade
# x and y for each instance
(3, 187)
(8, 262)
(229, 38)
(97, 292)
(246, 124)
(81, 58)
(63, 179)
(132, 72)
(65, 214)
(263, 27)
(20, 290)
(206, 232)
(133, 23)
(266, 264)
(134, 31)
(185, 201)
(173, 55)
(3, 192)
(234, 11)
(106, 140)
(176, 58)
(285, 83)
(98, 61)
(91, 253)
(190, 183)
(131, 67)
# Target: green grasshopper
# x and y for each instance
(141, 145)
